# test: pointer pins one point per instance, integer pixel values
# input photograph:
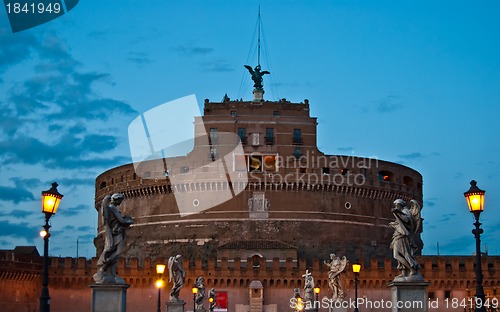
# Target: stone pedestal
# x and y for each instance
(177, 306)
(409, 296)
(258, 95)
(109, 297)
(338, 306)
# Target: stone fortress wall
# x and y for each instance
(20, 282)
(314, 201)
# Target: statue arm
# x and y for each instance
(119, 216)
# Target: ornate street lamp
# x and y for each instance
(356, 267)
(300, 304)
(195, 291)
(475, 201)
(160, 268)
(316, 304)
(50, 203)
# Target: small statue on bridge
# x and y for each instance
(115, 226)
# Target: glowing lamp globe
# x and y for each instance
(475, 198)
(160, 268)
(51, 200)
(194, 290)
(356, 267)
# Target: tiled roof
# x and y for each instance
(257, 244)
(26, 250)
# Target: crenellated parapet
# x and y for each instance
(455, 272)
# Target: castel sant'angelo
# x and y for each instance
(251, 207)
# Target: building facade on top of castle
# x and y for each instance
(278, 186)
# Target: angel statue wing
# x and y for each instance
(343, 264)
(415, 210)
(170, 269)
(265, 72)
(250, 69)
(104, 209)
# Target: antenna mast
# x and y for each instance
(259, 40)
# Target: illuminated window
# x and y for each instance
(255, 163)
(270, 163)
(386, 176)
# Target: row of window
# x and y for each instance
(235, 113)
(269, 138)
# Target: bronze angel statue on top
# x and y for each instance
(257, 75)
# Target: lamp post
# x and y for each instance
(300, 304)
(195, 291)
(316, 304)
(160, 268)
(475, 201)
(50, 202)
(356, 267)
(211, 300)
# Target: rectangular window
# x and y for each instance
(234, 113)
(269, 136)
(242, 133)
(214, 136)
(297, 152)
(297, 136)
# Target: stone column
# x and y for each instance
(109, 297)
(409, 296)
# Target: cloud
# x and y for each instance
(446, 217)
(85, 228)
(345, 149)
(17, 213)
(218, 65)
(73, 211)
(29, 150)
(388, 104)
(458, 245)
(68, 182)
(412, 156)
(430, 202)
(26, 183)
(19, 230)
(15, 47)
(140, 58)
(189, 50)
(15, 194)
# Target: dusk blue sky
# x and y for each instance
(412, 82)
